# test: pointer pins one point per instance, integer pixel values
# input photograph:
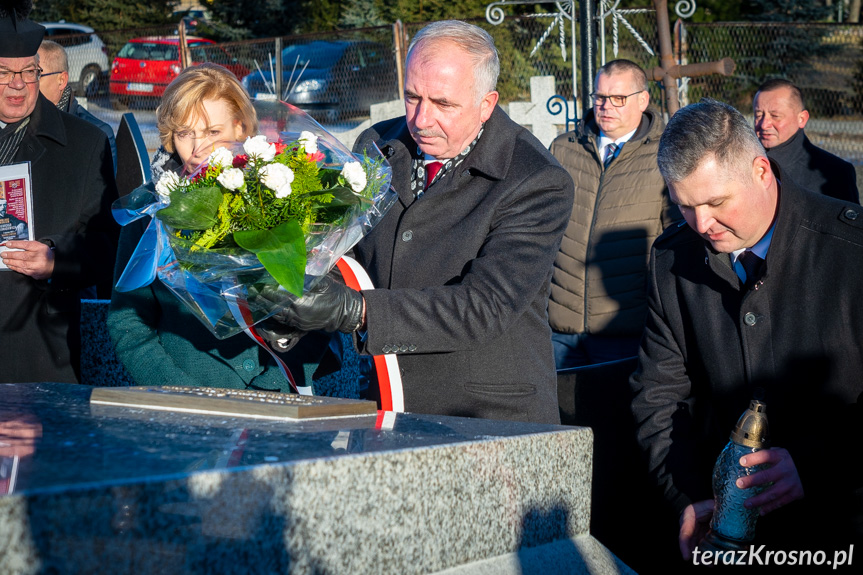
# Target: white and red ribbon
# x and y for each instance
(387, 366)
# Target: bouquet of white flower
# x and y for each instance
(277, 214)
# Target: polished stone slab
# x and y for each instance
(120, 490)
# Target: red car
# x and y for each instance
(145, 66)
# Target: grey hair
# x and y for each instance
(55, 54)
(473, 40)
(622, 66)
(708, 128)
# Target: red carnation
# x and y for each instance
(240, 161)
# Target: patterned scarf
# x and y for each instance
(163, 161)
(10, 140)
(65, 97)
(418, 171)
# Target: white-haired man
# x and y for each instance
(463, 260)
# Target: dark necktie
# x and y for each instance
(752, 265)
(432, 168)
(610, 153)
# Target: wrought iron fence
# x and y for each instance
(336, 76)
(824, 60)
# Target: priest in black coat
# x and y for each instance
(75, 236)
(780, 116)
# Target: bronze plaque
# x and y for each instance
(232, 402)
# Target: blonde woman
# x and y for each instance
(156, 338)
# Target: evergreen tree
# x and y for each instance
(319, 15)
(106, 14)
(787, 10)
(361, 14)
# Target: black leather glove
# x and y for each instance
(329, 306)
(280, 336)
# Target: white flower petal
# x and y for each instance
(355, 176)
(309, 142)
(232, 178)
(284, 191)
(169, 182)
(221, 158)
(276, 176)
(259, 150)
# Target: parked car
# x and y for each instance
(145, 66)
(87, 54)
(191, 18)
(340, 79)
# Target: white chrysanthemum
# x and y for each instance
(232, 178)
(221, 158)
(355, 176)
(278, 178)
(309, 142)
(259, 149)
(169, 182)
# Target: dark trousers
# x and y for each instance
(577, 349)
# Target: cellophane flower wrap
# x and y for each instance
(253, 218)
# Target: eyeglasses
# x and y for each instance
(616, 101)
(44, 74)
(28, 76)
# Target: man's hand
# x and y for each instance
(782, 473)
(36, 261)
(329, 306)
(694, 524)
(18, 436)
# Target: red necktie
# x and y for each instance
(432, 168)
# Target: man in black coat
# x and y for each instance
(54, 85)
(73, 187)
(780, 117)
(716, 332)
(463, 260)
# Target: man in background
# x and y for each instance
(598, 298)
(54, 85)
(780, 117)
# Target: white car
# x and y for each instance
(88, 55)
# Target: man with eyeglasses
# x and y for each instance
(598, 301)
(54, 85)
(72, 188)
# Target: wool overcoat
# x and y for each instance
(73, 188)
(798, 334)
(815, 169)
(466, 269)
